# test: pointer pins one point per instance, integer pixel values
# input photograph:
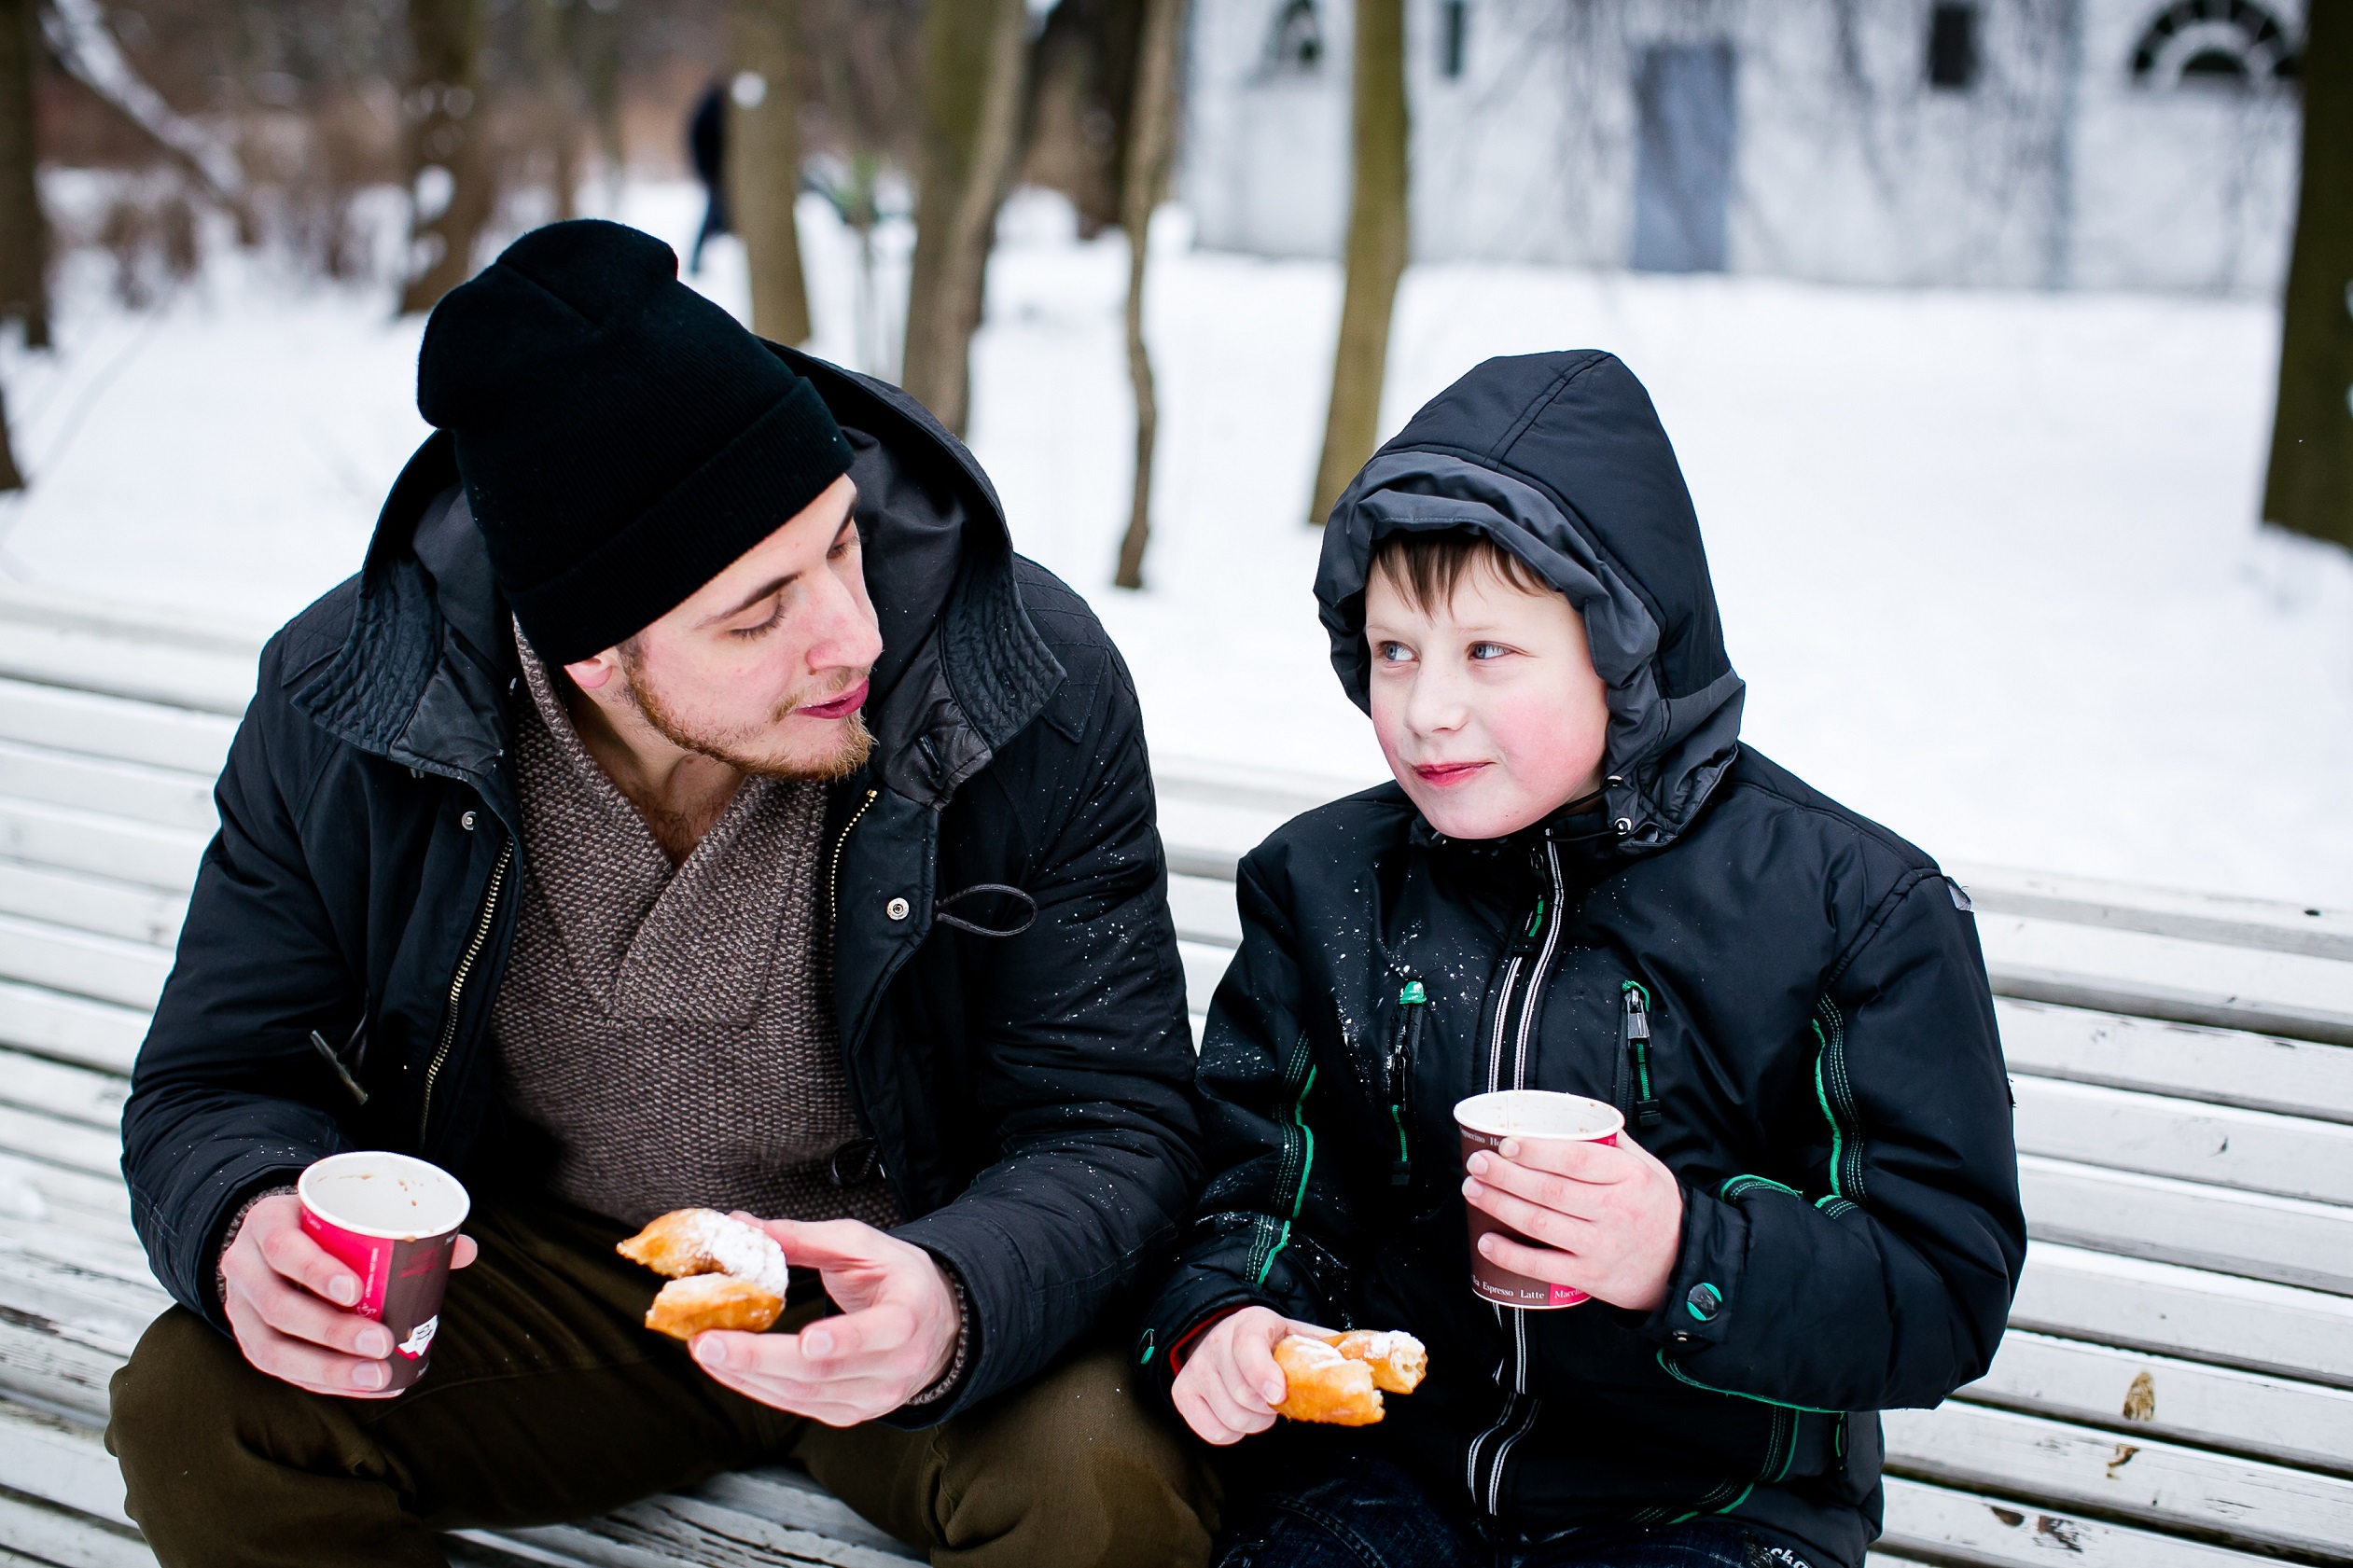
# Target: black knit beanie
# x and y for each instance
(622, 437)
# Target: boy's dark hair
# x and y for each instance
(1427, 566)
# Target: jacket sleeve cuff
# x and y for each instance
(229, 1240)
(1701, 1305)
(954, 1376)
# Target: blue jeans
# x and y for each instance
(1375, 1516)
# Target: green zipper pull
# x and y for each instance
(1413, 1001)
(1634, 1030)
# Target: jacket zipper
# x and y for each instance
(1517, 1418)
(833, 871)
(457, 984)
(1635, 1032)
(1399, 1076)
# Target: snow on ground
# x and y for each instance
(1988, 561)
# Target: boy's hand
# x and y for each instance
(1610, 1216)
(289, 1301)
(1230, 1385)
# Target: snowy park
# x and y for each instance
(680, 813)
(1988, 559)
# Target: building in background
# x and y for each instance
(2086, 143)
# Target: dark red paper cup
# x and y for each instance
(393, 1221)
(1532, 1115)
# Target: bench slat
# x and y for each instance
(1202, 908)
(1936, 1524)
(35, 1189)
(75, 1094)
(2239, 1502)
(64, 1538)
(67, 839)
(203, 680)
(113, 727)
(59, 1462)
(2222, 1066)
(163, 795)
(1205, 966)
(99, 1034)
(2198, 917)
(2168, 1309)
(2284, 1240)
(41, 1363)
(75, 1145)
(82, 902)
(82, 963)
(2287, 1421)
(665, 1531)
(2258, 1151)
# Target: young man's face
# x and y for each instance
(1486, 707)
(764, 666)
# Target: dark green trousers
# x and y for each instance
(548, 1400)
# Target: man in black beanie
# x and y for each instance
(692, 802)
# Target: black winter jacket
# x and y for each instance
(1787, 1001)
(1028, 1096)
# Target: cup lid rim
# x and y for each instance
(423, 1167)
(1617, 1118)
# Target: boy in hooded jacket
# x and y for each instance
(1583, 882)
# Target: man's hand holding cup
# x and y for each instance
(305, 1317)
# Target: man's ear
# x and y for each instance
(590, 674)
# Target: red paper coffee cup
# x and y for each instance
(393, 1221)
(1532, 1115)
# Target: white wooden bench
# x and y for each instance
(2176, 1388)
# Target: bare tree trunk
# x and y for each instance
(763, 165)
(2310, 485)
(448, 133)
(1376, 250)
(975, 53)
(24, 241)
(600, 57)
(1151, 134)
(555, 56)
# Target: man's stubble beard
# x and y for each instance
(857, 740)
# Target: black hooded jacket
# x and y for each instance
(1028, 1096)
(1787, 1001)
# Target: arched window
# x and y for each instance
(1296, 46)
(2214, 43)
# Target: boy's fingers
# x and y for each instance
(1221, 1401)
(1255, 1367)
(1549, 1226)
(463, 1253)
(1565, 1195)
(1202, 1419)
(1539, 1263)
(1601, 1163)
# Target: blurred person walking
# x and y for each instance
(707, 148)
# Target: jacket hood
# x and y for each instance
(424, 673)
(1560, 459)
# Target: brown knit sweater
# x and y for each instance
(672, 1028)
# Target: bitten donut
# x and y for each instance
(1397, 1359)
(1338, 1378)
(725, 1273)
(1320, 1384)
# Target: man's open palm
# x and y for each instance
(896, 1337)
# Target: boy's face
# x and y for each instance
(1486, 707)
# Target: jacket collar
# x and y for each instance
(424, 677)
